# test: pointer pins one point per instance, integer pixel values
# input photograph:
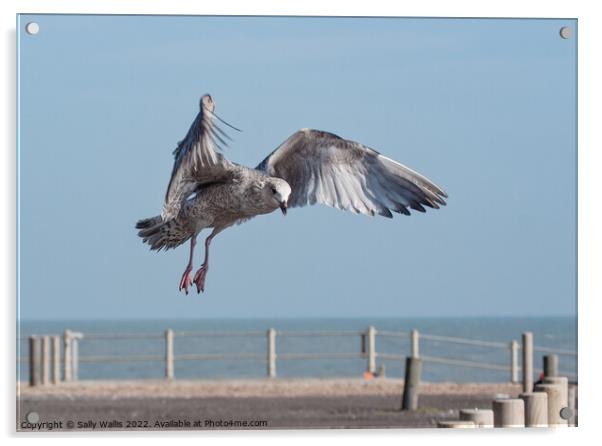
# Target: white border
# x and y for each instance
(589, 186)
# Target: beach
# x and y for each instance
(244, 404)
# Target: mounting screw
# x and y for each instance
(32, 28)
(566, 413)
(33, 417)
(565, 32)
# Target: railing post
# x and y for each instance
(46, 360)
(67, 355)
(271, 356)
(34, 361)
(56, 359)
(75, 337)
(169, 354)
(415, 338)
(514, 362)
(371, 349)
(527, 362)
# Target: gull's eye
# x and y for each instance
(274, 190)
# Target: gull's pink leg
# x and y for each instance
(186, 281)
(199, 277)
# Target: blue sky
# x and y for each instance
(485, 108)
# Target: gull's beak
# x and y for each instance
(283, 207)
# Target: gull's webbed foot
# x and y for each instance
(199, 278)
(186, 281)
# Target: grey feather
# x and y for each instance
(324, 168)
(197, 160)
(208, 191)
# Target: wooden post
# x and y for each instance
(573, 389)
(371, 349)
(56, 359)
(550, 365)
(480, 417)
(514, 362)
(527, 362)
(67, 356)
(271, 357)
(456, 424)
(169, 354)
(563, 381)
(556, 401)
(45, 360)
(75, 357)
(536, 409)
(411, 384)
(509, 412)
(34, 360)
(415, 338)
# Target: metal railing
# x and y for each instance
(42, 364)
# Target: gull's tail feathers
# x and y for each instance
(162, 234)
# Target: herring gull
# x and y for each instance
(208, 191)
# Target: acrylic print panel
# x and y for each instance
(128, 134)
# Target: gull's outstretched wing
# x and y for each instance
(197, 159)
(324, 168)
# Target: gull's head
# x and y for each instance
(207, 103)
(277, 192)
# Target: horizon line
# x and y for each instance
(150, 319)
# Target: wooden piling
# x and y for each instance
(514, 362)
(456, 424)
(411, 384)
(67, 363)
(556, 401)
(271, 356)
(480, 417)
(56, 359)
(573, 403)
(371, 350)
(550, 365)
(34, 361)
(509, 412)
(563, 381)
(169, 369)
(75, 358)
(527, 362)
(45, 360)
(536, 409)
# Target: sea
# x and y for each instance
(548, 332)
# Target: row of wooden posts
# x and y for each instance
(45, 356)
(550, 403)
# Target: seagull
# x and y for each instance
(312, 166)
